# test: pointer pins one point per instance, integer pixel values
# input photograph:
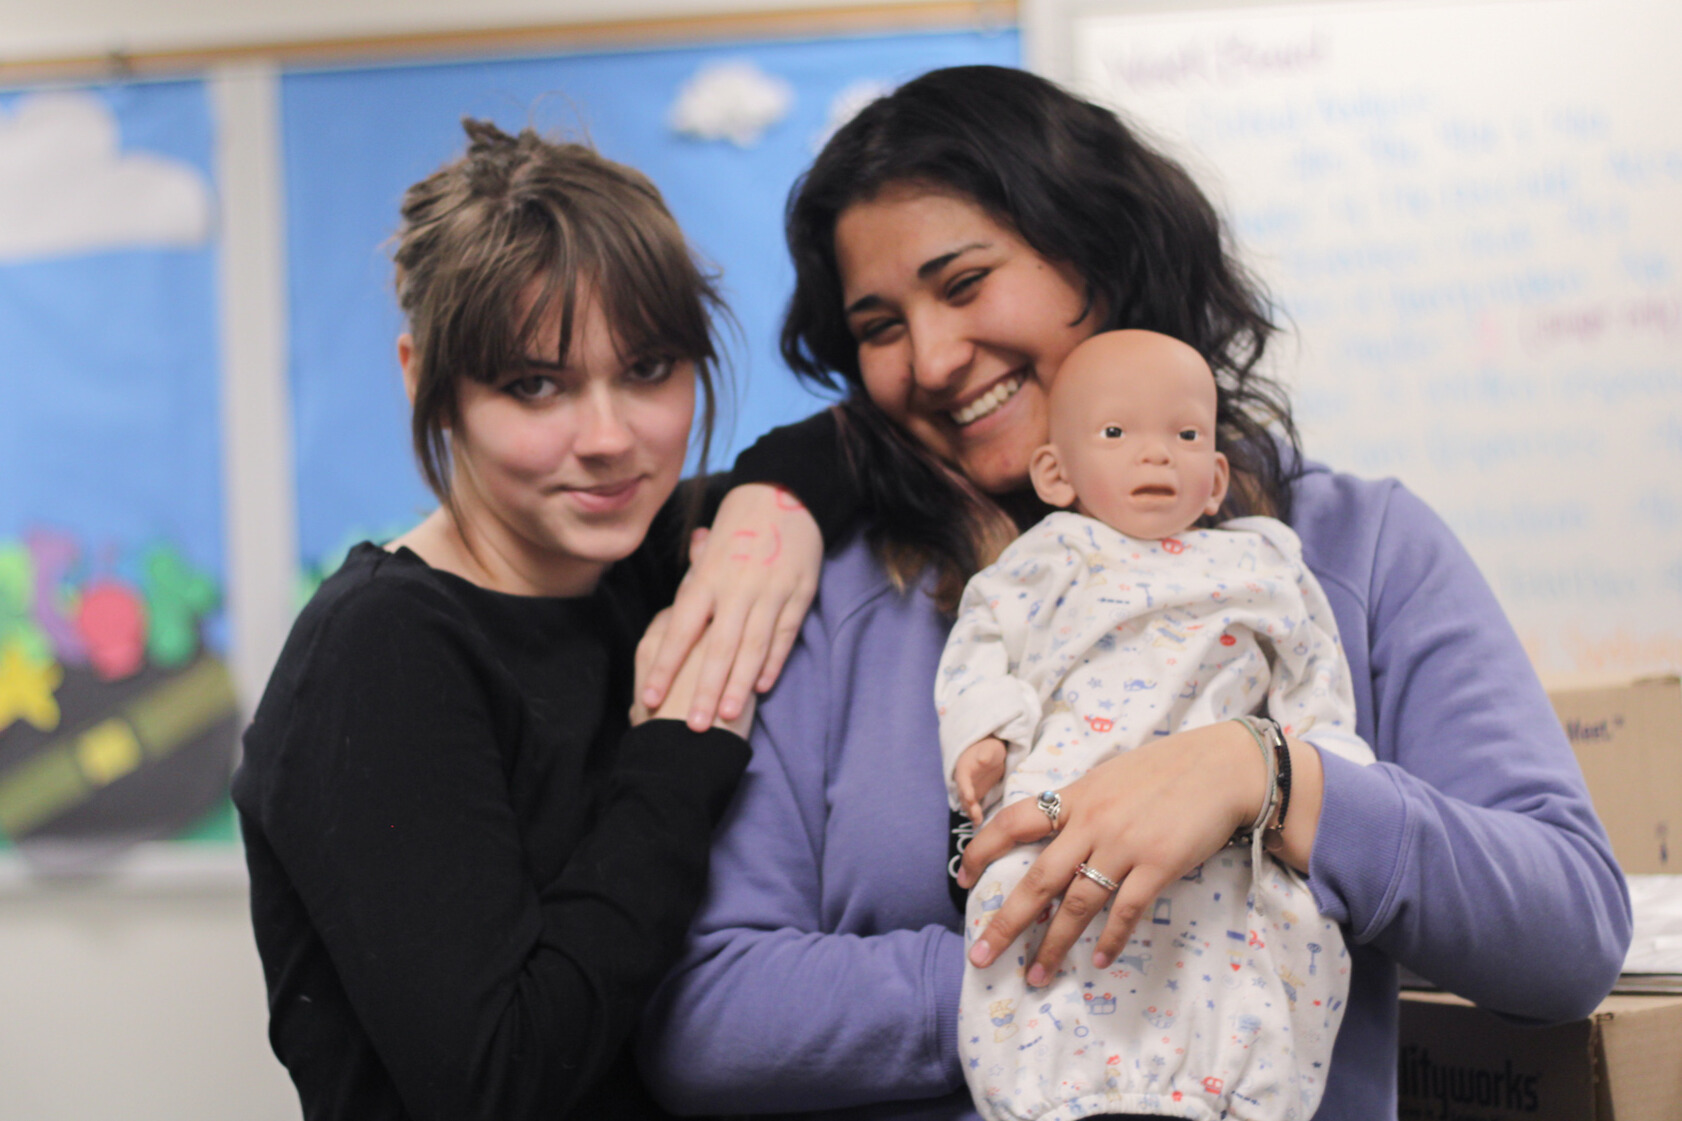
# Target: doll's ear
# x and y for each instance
(1223, 476)
(1045, 469)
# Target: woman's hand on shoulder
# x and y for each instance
(739, 608)
(1142, 819)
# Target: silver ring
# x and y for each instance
(1098, 878)
(1050, 804)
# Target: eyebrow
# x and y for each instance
(924, 271)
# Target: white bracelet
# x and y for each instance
(1269, 803)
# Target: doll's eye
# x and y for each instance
(1112, 432)
(1188, 434)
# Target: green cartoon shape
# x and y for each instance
(177, 597)
(311, 575)
(17, 594)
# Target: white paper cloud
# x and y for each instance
(66, 188)
(845, 105)
(734, 101)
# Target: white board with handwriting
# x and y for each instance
(1471, 216)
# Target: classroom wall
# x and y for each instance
(138, 999)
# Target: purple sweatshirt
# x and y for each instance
(823, 970)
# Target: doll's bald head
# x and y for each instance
(1132, 435)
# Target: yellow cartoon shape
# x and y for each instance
(1003, 1015)
(26, 688)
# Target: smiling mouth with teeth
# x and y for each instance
(989, 402)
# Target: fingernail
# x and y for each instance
(729, 710)
(981, 954)
(964, 878)
(1036, 976)
(651, 696)
(1101, 960)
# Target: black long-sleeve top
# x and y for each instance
(467, 872)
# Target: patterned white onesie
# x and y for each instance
(1081, 642)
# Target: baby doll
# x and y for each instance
(1093, 633)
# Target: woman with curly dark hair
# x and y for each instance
(952, 244)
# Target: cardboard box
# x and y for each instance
(1460, 1063)
(1628, 739)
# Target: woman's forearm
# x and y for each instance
(763, 1021)
(1476, 898)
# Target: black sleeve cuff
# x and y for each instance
(707, 765)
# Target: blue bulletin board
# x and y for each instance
(116, 714)
(723, 130)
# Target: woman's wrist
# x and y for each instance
(1245, 755)
(1248, 771)
(1294, 843)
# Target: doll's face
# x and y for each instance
(1132, 419)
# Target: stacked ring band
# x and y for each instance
(1098, 878)
(1050, 804)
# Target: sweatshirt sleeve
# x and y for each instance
(485, 991)
(1470, 853)
(807, 460)
(769, 1010)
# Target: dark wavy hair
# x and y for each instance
(1079, 186)
(517, 210)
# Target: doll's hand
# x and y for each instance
(680, 697)
(978, 770)
(1144, 818)
(740, 607)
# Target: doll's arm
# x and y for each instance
(979, 693)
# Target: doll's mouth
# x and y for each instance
(1153, 492)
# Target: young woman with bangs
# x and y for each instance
(468, 871)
